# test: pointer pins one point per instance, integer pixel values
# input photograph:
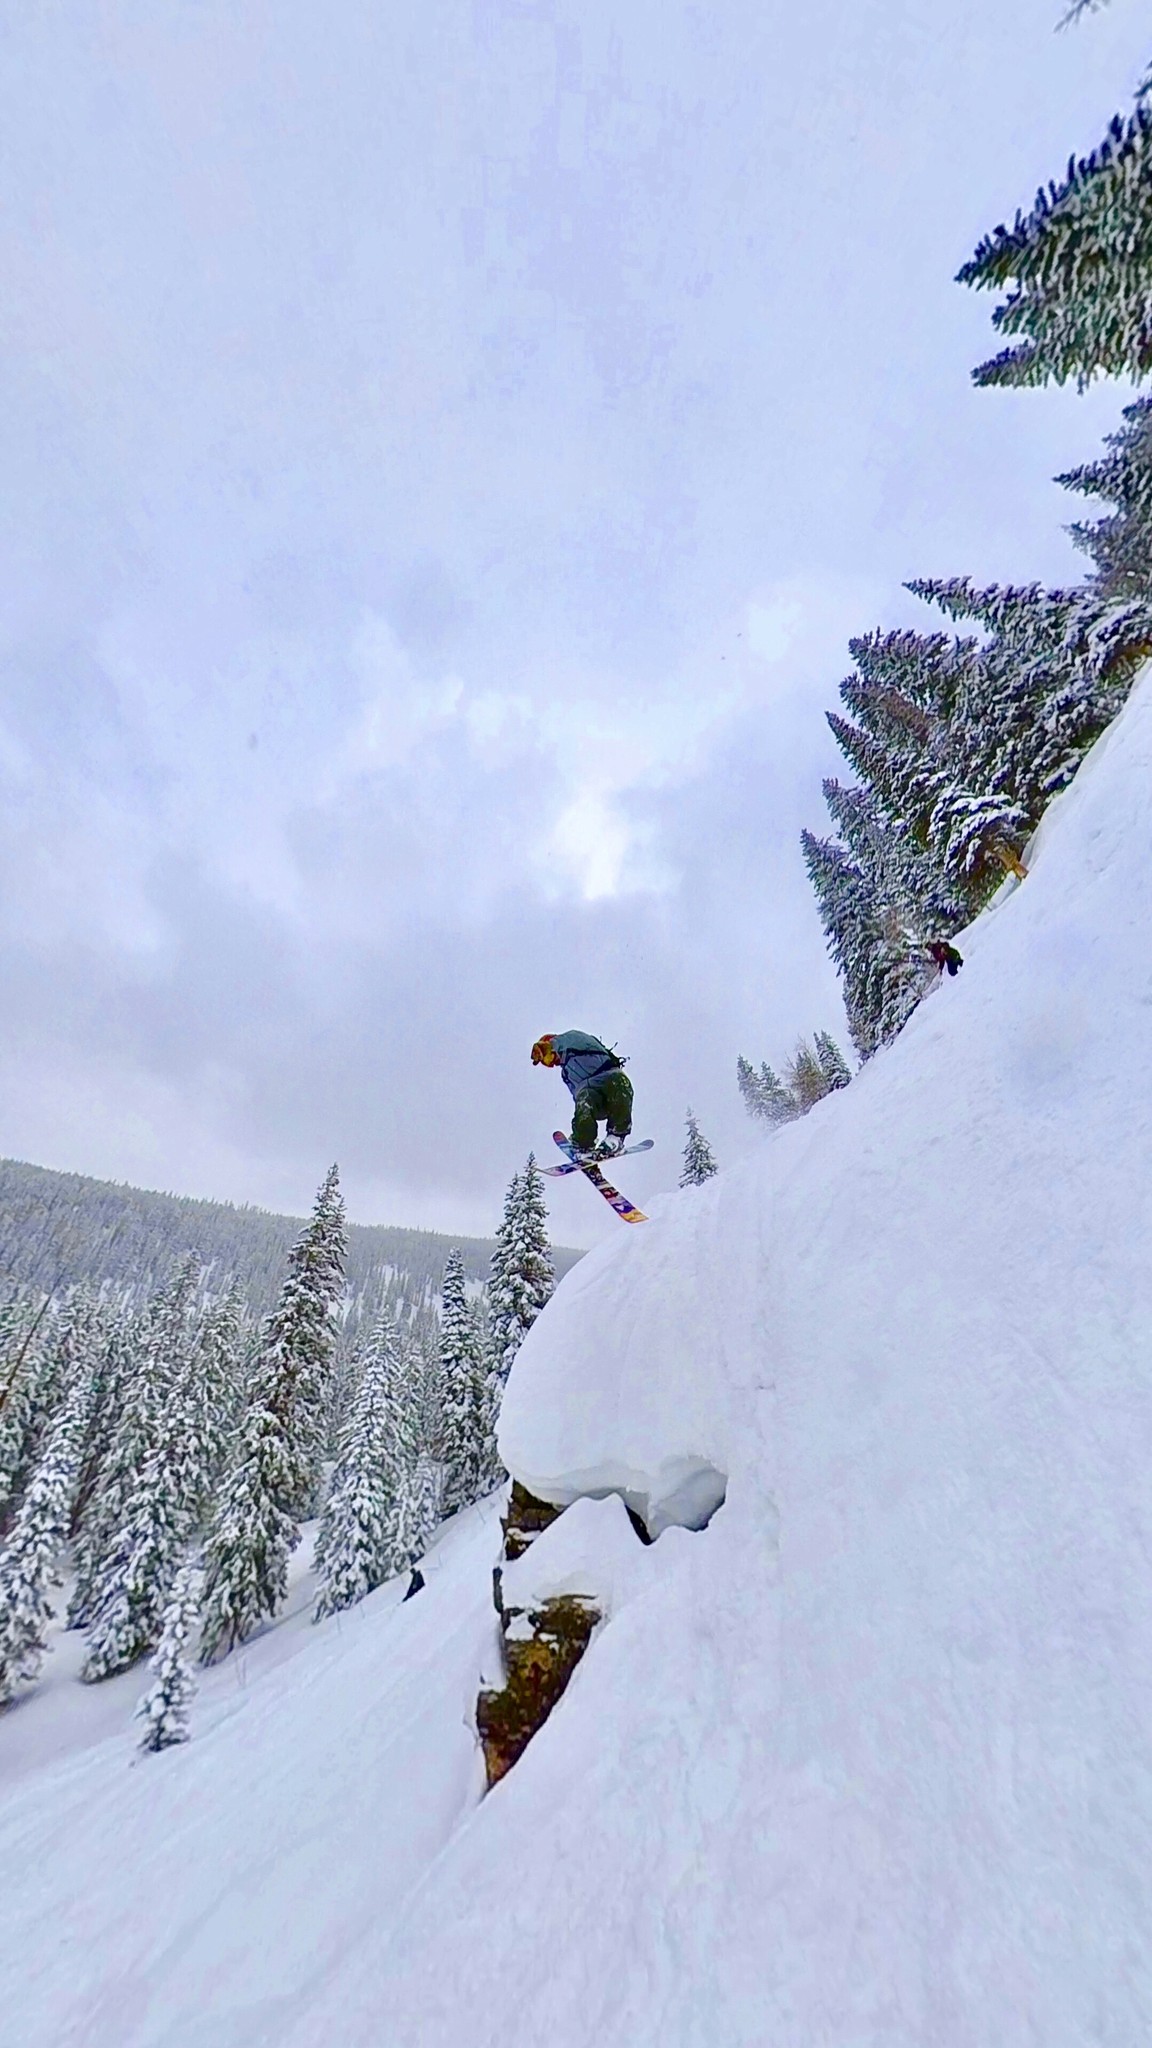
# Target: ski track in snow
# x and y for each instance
(864, 1763)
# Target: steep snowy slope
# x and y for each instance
(194, 1897)
(868, 1760)
(865, 1762)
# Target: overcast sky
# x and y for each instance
(447, 445)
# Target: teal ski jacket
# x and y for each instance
(583, 1059)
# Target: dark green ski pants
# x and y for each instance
(609, 1097)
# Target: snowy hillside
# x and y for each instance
(866, 1759)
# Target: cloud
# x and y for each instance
(772, 627)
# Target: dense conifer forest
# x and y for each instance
(183, 1385)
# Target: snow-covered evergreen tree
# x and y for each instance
(1120, 544)
(272, 1482)
(521, 1279)
(1078, 269)
(427, 1381)
(215, 1391)
(805, 1077)
(250, 1537)
(116, 1369)
(134, 1579)
(699, 1163)
(462, 1416)
(896, 854)
(117, 1528)
(299, 1345)
(882, 976)
(163, 1709)
(835, 1067)
(131, 1582)
(1056, 668)
(427, 1505)
(813, 1071)
(960, 745)
(921, 706)
(363, 1536)
(488, 1392)
(25, 1333)
(29, 1558)
(417, 1508)
(763, 1094)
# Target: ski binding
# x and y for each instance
(577, 1166)
(591, 1171)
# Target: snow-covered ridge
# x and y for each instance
(867, 1759)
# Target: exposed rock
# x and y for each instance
(525, 1520)
(542, 1647)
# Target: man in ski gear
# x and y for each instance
(945, 956)
(594, 1076)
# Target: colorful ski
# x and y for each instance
(613, 1197)
(645, 1145)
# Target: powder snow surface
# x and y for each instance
(863, 1763)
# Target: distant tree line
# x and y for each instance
(60, 1230)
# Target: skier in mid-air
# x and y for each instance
(601, 1090)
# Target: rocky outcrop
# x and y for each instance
(527, 1517)
(542, 1647)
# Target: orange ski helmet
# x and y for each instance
(544, 1053)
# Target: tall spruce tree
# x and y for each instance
(428, 1381)
(1120, 544)
(31, 1552)
(833, 1064)
(133, 1581)
(960, 745)
(215, 1387)
(163, 1709)
(300, 1341)
(250, 1537)
(882, 974)
(26, 1332)
(366, 1533)
(1077, 269)
(520, 1284)
(113, 1532)
(699, 1163)
(117, 1367)
(415, 1524)
(763, 1094)
(135, 1577)
(489, 1389)
(521, 1278)
(1054, 671)
(462, 1422)
(272, 1481)
(920, 702)
(806, 1078)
